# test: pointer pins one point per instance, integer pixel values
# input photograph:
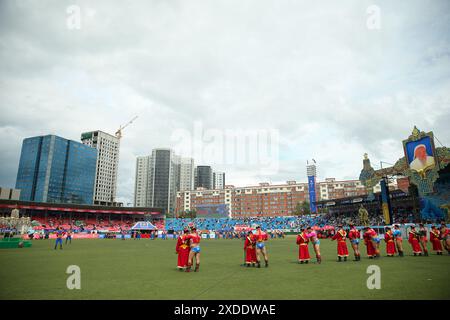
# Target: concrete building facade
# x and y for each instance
(218, 180)
(187, 174)
(107, 167)
(9, 194)
(266, 199)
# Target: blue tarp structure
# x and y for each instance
(143, 225)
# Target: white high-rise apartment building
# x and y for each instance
(218, 180)
(186, 171)
(108, 147)
(143, 178)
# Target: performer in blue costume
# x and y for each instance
(398, 239)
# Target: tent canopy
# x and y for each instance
(143, 225)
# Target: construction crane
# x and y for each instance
(119, 132)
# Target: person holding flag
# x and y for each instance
(435, 236)
(354, 235)
(413, 239)
(260, 239)
(398, 240)
(303, 252)
(341, 237)
(390, 244)
(250, 250)
(182, 249)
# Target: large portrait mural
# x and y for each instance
(427, 168)
(420, 154)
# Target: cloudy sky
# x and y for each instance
(329, 81)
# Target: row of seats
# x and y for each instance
(226, 224)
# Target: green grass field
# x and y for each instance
(146, 269)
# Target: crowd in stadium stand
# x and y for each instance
(225, 224)
(375, 219)
(88, 225)
(224, 227)
(283, 223)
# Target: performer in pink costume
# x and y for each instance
(312, 236)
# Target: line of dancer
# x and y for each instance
(188, 244)
(439, 238)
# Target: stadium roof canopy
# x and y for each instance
(80, 208)
(358, 200)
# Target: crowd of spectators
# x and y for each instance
(375, 218)
(223, 227)
(230, 225)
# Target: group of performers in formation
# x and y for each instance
(417, 238)
(188, 244)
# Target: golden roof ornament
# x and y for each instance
(415, 132)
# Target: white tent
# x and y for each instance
(143, 225)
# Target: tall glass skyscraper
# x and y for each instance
(157, 180)
(204, 177)
(54, 169)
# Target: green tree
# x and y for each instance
(305, 208)
(193, 214)
(298, 209)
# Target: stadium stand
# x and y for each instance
(266, 223)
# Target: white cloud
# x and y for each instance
(333, 88)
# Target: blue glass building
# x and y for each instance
(54, 169)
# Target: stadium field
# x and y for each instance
(146, 269)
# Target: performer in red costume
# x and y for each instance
(445, 237)
(182, 249)
(193, 239)
(354, 236)
(367, 236)
(341, 237)
(260, 238)
(435, 236)
(390, 243)
(303, 251)
(423, 238)
(250, 250)
(413, 239)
